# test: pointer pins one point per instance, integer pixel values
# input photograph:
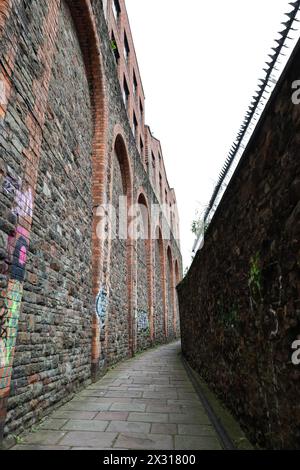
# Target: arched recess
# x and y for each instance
(119, 325)
(83, 17)
(144, 276)
(160, 302)
(177, 281)
(170, 292)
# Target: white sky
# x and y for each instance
(200, 61)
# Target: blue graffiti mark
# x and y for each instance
(11, 185)
(142, 320)
(101, 305)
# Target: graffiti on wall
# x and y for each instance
(142, 321)
(101, 305)
(9, 315)
(17, 250)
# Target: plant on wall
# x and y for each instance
(255, 279)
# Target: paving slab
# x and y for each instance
(122, 393)
(145, 441)
(85, 425)
(85, 406)
(194, 443)
(148, 417)
(128, 407)
(160, 394)
(112, 416)
(53, 424)
(74, 414)
(89, 439)
(125, 426)
(162, 428)
(44, 437)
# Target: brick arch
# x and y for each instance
(119, 148)
(171, 287)
(177, 272)
(177, 278)
(142, 199)
(163, 280)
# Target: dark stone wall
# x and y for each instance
(240, 301)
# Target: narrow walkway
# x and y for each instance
(145, 403)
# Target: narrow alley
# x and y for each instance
(144, 403)
(147, 302)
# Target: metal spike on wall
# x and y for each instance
(257, 98)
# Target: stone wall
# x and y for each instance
(69, 298)
(240, 301)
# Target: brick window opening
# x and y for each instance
(135, 126)
(153, 167)
(166, 196)
(125, 93)
(141, 112)
(153, 161)
(126, 48)
(135, 85)
(115, 48)
(116, 10)
(142, 147)
(160, 187)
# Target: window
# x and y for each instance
(160, 187)
(126, 48)
(166, 196)
(142, 147)
(153, 160)
(135, 85)
(153, 167)
(125, 93)
(135, 126)
(116, 10)
(141, 112)
(115, 48)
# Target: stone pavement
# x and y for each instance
(144, 403)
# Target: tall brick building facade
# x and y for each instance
(75, 156)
